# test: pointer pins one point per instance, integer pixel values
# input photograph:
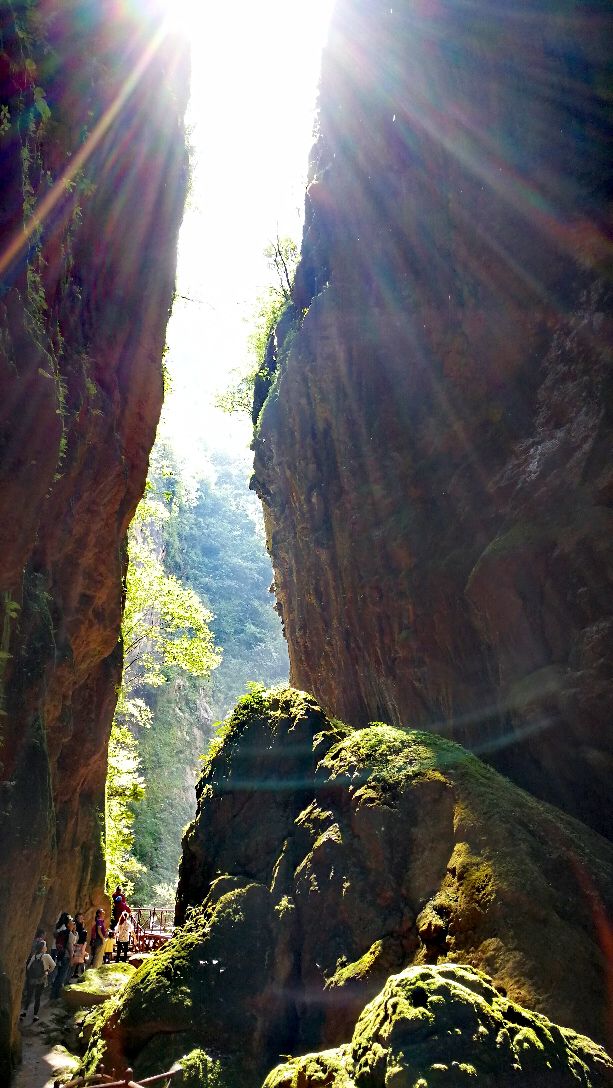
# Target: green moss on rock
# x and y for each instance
(442, 1027)
(205, 983)
(201, 1070)
(360, 969)
(98, 985)
(324, 860)
(388, 757)
(330, 1069)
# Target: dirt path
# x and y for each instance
(43, 1059)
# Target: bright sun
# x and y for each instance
(185, 16)
(254, 75)
(192, 17)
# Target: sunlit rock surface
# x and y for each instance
(434, 459)
(447, 1027)
(323, 859)
(97, 985)
(91, 134)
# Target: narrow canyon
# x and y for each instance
(399, 871)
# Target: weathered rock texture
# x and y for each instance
(93, 182)
(324, 859)
(408, 1036)
(434, 458)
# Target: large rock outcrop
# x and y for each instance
(434, 456)
(408, 1036)
(93, 184)
(323, 859)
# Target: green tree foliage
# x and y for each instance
(282, 256)
(198, 577)
(218, 548)
(165, 630)
(169, 750)
(165, 624)
(124, 786)
(214, 544)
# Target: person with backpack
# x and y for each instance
(39, 967)
(40, 936)
(120, 904)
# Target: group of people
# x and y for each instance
(68, 956)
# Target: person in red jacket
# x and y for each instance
(120, 904)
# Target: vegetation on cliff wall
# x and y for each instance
(165, 633)
(274, 312)
(218, 549)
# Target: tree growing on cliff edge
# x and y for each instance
(165, 630)
(282, 256)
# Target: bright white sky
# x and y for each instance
(255, 69)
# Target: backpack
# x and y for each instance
(36, 969)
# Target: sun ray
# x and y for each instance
(43, 210)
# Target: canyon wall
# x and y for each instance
(94, 180)
(434, 452)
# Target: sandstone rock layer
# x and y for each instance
(434, 456)
(94, 177)
(323, 859)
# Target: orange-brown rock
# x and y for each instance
(435, 460)
(94, 176)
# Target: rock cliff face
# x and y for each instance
(94, 175)
(434, 457)
(323, 859)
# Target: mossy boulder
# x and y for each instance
(443, 1027)
(97, 986)
(210, 982)
(324, 859)
(201, 1070)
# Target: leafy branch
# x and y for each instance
(282, 256)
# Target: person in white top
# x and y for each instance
(123, 933)
(37, 970)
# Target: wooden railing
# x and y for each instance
(103, 1080)
(153, 926)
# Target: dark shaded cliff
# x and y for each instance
(434, 459)
(94, 173)
(324, 859)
